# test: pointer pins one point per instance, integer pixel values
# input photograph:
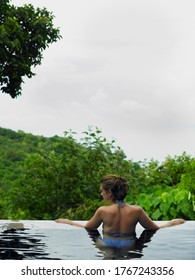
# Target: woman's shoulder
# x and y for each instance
(136, 208)
(106, 209)
(101, 209)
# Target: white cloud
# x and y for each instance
(133, 106)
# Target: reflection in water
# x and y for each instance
(130, 252)
(17, 243)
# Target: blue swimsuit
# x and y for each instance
(118, 243)
(118, 240)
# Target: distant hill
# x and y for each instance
(15, 146)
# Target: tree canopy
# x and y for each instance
(24, 33)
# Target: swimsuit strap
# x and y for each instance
(120, 203)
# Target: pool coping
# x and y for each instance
(50, 224)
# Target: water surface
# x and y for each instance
(49, 240)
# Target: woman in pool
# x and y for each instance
(119, 219)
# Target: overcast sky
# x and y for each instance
(125, 66)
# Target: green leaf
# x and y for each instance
(157, 214)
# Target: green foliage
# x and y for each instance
(175, 167)
(35, 191)
(167, 204)
(46, 178)
(24, 33)
(14, 148)
(175, 195)
(53, 183)
(84, 211)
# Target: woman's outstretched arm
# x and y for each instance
(147, 223)
(171, 223)
(69, 222)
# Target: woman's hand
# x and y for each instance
(175, 222)
(64, 221)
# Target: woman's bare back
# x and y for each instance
(120, 219)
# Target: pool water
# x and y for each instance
(27, 240)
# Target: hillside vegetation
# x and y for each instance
(46, 178)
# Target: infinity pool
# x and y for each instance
(49, 240)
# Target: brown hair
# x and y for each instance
(118, 185)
